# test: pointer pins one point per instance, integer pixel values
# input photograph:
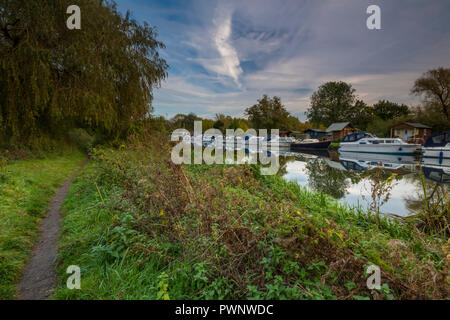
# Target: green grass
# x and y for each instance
(225, 232)
(26, 188)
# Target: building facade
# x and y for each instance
(339, 130)
(411, 132)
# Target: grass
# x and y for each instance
(26, 187)
(142, 228)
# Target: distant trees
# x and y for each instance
(185, 121)
(434, 85)
(332, 102)
(52, 78)
(387, 110)
(268, 113)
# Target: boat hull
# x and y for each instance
(404, 149)
(436, 157)
(322, 145)
(437, 153)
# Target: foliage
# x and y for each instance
(227, 232)
(268, 113)
(434, 85)
(332, 102)
(387, 110)
(52, 79)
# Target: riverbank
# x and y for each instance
(26, 188)
(142, 228)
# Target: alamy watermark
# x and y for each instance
(240, 147)
(374, 280)
(74, 20)
(374, 20)
(74, 280)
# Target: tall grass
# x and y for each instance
(161, 231)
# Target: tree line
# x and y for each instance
(338, 102)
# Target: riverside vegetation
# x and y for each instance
(141, 227)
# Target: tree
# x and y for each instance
(434, 85)
(332, 102)
(238, 123)
(388, 110)
(360, 115)
(268, 113)
(51, 78)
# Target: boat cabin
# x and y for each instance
(438, 140)
(356, 136)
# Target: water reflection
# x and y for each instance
(349, 178)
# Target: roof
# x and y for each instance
(417, 125)
(338, 126)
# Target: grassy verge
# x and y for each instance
(142, 228)
(26, 188)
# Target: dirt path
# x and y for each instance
(39, 275)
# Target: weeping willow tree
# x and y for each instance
(51, 78)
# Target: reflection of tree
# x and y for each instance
(283, 164)
(436, 194)
(329, 180)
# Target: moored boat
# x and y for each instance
(437, 147)
(310, 144)
(362, 142)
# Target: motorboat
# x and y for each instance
(436, 149)
(283, 142)
(310, 144)
(362, 142)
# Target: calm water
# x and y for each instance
(349, 178)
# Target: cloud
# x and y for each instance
(230, 64)
(225, 54)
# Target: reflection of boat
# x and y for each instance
(334, 164)
(438, 174)
(377, 157)
(316, 153)
(310, 144)
(437, 147)
(362, 142)
(361, 165)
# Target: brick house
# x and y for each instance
(339, 130)
(411, 132)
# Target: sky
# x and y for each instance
(225, 54)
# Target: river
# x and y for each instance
(352, 179)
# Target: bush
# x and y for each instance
(81, 138)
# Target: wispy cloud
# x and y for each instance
(230, 64)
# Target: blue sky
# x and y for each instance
(225, 54)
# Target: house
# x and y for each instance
(411, 132)
(339, 130)
(316, 133)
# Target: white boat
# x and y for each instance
(283, 142)
(362, 142)
(436, 150)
